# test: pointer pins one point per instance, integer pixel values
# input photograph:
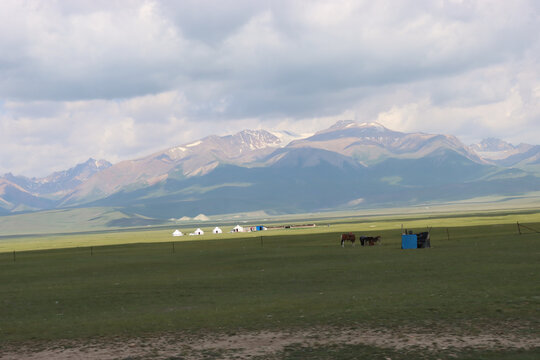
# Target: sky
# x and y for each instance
(116, 80)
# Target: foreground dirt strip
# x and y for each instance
(264, 343)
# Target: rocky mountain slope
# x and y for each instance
(348, 165)
(372, 142)
(20, 193)
(505, 154)
(193, 159)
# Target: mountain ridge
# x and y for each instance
(249, 161)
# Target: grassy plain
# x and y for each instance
(338, 222)
(132, 283)
(102, 219)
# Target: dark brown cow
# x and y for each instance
(369, 240)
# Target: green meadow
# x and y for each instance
(28, 237)
(480, 275)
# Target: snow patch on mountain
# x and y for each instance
(286, 137)
(178, 148)
(258, 139)
(194, 144)
(497, 149)
(372, 125)
(493, 145)
(177, 152)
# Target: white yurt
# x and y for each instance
(238, 228)
(217, 230)
(177, 233)
(198, 232)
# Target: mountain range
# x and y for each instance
(347, 166)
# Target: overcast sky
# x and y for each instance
(121, 79)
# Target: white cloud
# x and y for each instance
(100, 53)
(114, 79)
(72, 131)
(498, 101)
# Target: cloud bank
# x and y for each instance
(120, 79)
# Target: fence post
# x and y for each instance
(13, 255)
(261, 241)
(447, 233)
(91, 251)
(173, 247)
(519, 229)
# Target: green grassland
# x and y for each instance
(335, 223)
(59, 221)
(479, 274)
(101, 219)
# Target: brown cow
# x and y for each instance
(347, 237)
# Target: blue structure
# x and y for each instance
(260, 228)
(415, 241)
(409, 241)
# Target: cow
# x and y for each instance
(347, 237)
(369, 240)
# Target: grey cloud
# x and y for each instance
(211, 21)
(319, 62)
(103, 53)
(111, 51)
(139, 70)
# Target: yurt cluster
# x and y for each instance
(217, 230)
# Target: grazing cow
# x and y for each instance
(347, 237)
(369, 240)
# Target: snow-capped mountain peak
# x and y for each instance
(502, 152)
(79, 173)
(347, 145)
(60, 181)
(373, 125)
(492, 144)
(348, 124)
(494, 149)
(286, 136)
(257, 139)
